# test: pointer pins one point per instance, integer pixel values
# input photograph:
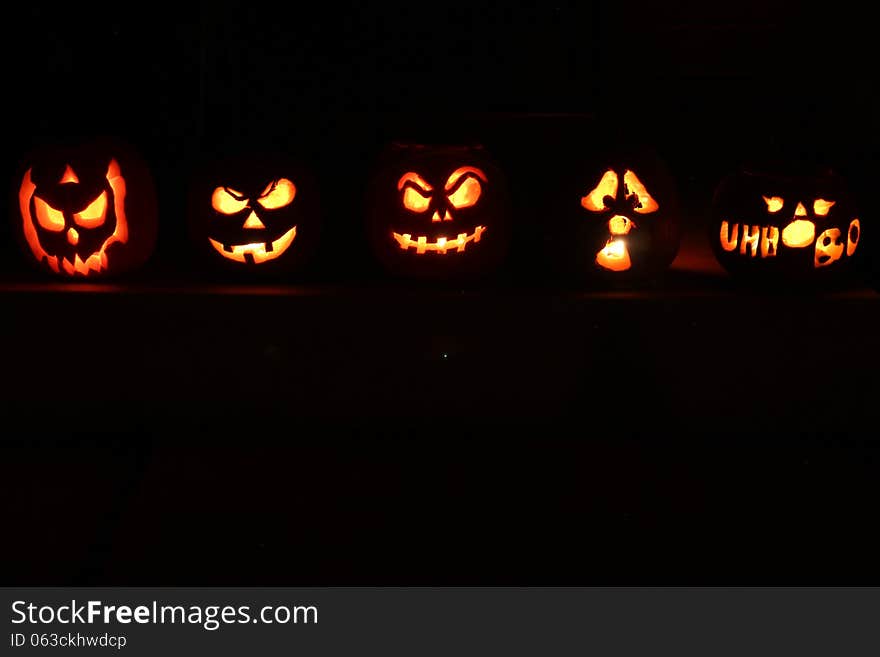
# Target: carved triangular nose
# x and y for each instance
(800, 210)
(253, 221)
(68, 177)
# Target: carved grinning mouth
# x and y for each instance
(442, 244)
(259, 251)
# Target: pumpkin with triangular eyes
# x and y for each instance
(768, 225)
(254, 213)
(438, 211)
(86, 208)
(617, 216)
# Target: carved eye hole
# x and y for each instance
(595, 200)
(416, 192)
(414, 200)
(277, 194)
(821, 207)
(48, 217)
(634, 186)
(228, 201)
(466, 194)
(774, 203)
(94, 215)
(463, 186)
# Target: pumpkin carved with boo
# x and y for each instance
(791, 227)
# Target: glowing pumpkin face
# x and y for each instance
(619, 197)
(252, 226)
(616, 218)
(82, 214)
(791, 227)
(254, 213)
(462, 190)
(438, 212)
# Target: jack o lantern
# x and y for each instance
(785, 227)
(86, 209)
(619, 217)
(438, 211)
(254, 213)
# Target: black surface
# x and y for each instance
(174, 428)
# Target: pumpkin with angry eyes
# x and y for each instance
(254, 214)
(438, 211)
(774, 226)
(86, 209)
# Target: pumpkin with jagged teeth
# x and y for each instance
(86, 209)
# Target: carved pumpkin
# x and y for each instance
(785, 227)
(254, 213)
(86, 209)
(438, 212)
(619, 217)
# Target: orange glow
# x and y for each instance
(253, 221)
(462, 171)
(757, 239)
(821, 207)
(228, 201)
(769, 241)
(774, 203)
(799, 233)
(852, 236)
(751, 235)
(615, 256)
(828, 248)
(95, 261)
(415, 200)
(277, 194)
(729, 239)
(595, 200)
(442, 245)
(620, 225)
(257, 250)
(415, 179)
(49, 218)
(68, 176)
(633, 185)
(446, 216)
(94, 215)
(466, 194)
(117, 184)
(72, 236)
(800, 210)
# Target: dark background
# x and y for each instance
(342, 428)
